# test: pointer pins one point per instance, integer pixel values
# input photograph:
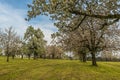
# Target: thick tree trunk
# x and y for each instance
(93, 59)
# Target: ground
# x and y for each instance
(57, 70)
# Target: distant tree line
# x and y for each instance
(31, 45)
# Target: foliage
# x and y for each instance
(70, 14)
(53, 51)
(10, 42)
(34, 41)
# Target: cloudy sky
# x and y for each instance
(14, 12)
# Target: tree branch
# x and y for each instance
(79, 23)
(110, 16)
(107, 24)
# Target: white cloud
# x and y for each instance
(10, 16)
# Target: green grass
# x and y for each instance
(57, 70)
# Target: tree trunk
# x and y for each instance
(7, 54)
(41, 56)
(84, 57)
(7, 57)
(28, 56)
(13, 56)
(53, 56)
(35, 55)
(93, 59)
(70, 58)
(21, 56)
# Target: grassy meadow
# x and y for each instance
(57, 70)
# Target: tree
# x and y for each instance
(97, 37)
(65, 12)
(15, 47)
(25, 50)
(41, 43)
(112, 43)
(54, 52)
(9, 40)
(88, 38)
(35, 41)
(72, 41)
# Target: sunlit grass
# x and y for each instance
(57, 70)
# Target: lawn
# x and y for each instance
(57, 70)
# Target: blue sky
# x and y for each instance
(13, 13)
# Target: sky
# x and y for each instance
(14, 12)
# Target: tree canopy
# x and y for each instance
(67, 13)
